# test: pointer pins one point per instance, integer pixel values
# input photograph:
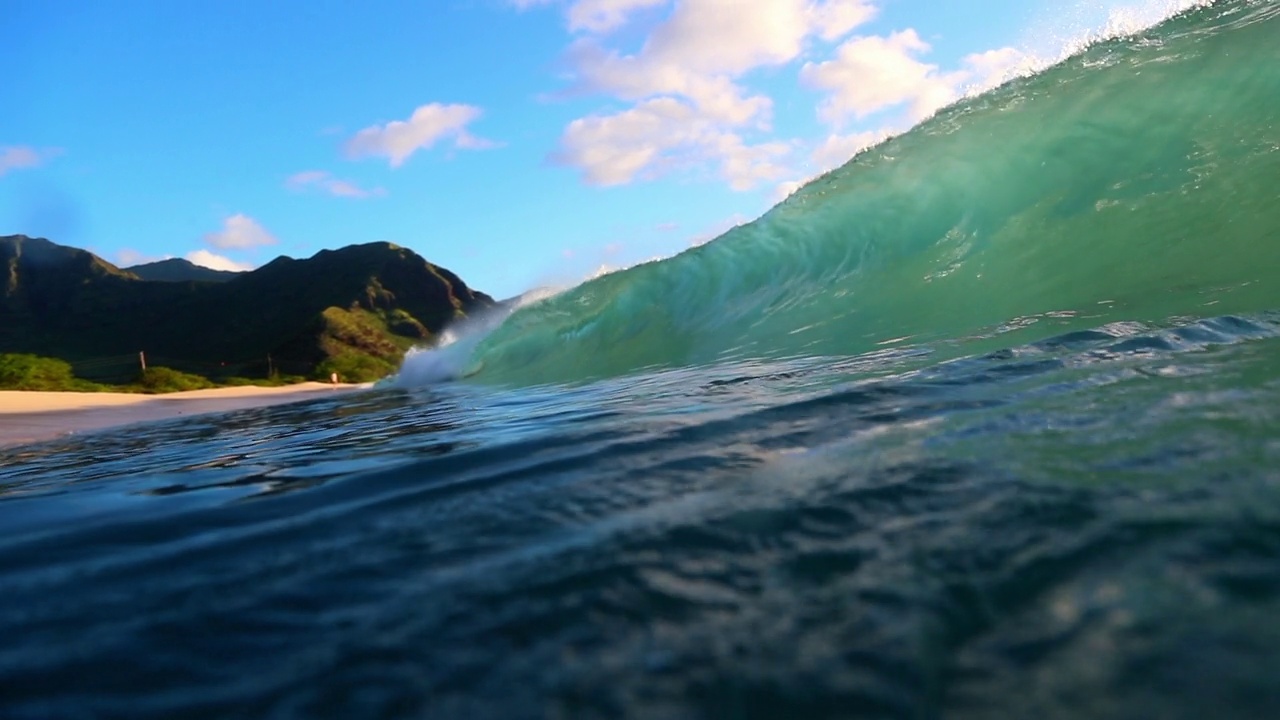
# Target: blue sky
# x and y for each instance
(517, 142)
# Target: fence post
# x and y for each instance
(142, 358)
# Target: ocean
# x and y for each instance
(983, 424)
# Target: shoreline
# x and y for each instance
(31, 416)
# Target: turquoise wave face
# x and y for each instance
(1138, 180)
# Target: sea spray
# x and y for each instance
(451, 356)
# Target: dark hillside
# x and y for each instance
(358, 304)
(179, 270)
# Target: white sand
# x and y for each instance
(33, 416)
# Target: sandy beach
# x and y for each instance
(34, 416)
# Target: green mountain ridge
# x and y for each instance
(180, 270)
(355, 310)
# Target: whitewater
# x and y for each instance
(983, 424)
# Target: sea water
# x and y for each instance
(984, 424)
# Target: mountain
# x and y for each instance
(41, 277)
(355, 310)
(179, 270)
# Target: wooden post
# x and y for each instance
(270, 370)
(142, 358)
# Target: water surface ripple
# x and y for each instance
(1086, 526)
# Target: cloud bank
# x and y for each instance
(325, 182)
(24, 157)
(239, 232)
(213, 261)
(429, 124)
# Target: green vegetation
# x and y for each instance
(163, 380)
(357, 346)
(20, 371)
(179, 270)
(354, 367)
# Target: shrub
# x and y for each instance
(275, 380)
(32, 372)
(163, 380)
(354, 367)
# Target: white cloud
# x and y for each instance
(239, 232)
(988, 69)
(602, 16)
(213, 261)
(631, 78)
(870, 74)
(598, 16)
(23, 157)
(614, 149)
(718, 37)
(429, 124)
(700, 50)
(784, 190)
(745, 166)
(689, 106)
(834, 151)
(659, 135)
(298, 181)
(326, 182)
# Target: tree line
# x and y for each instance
(145, 374)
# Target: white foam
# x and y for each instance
(450, 358)
(1076, 26)
(1069, 31)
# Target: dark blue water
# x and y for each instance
(1084, 527)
